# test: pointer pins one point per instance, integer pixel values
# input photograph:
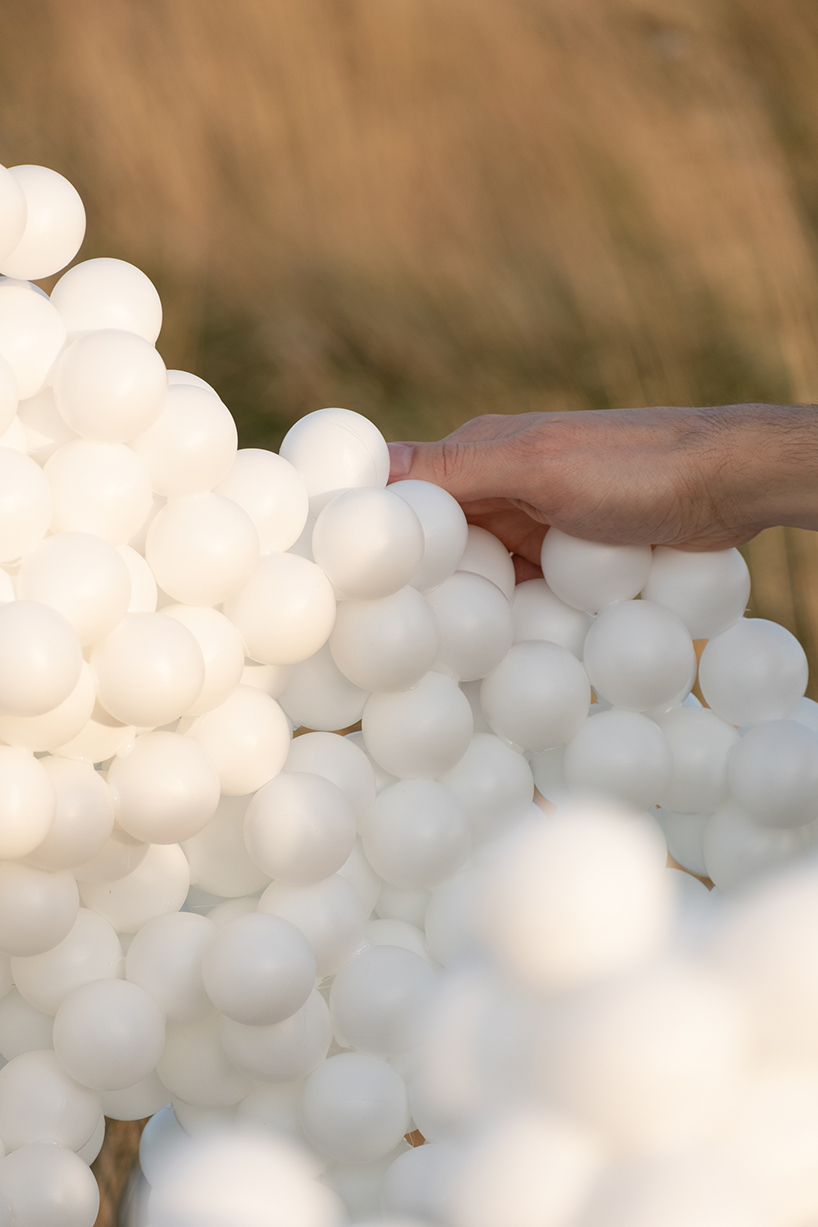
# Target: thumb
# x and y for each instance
(469, 470)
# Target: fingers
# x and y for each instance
(468, 470)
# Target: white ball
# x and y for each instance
(754, 671)
(409, 906)
(165, 959)
(49, 1184)
(189, 380)
(385, 644)
(380, 1001)
(247, 737)
(82, 577)
(318, 695)
(9, 398)
(13, 212)
(98, 488)
(40, 658)
(589, 574)
(685, 838)
(537, 697)
(110, 385)
(453, 919)
(340, 760)
(165, 790)
(54, 728)
(736, 848)
(135, 1102)
(158, 885)
(39, 1101)
(620, 754)
(539, 614)
(218, 857)
(43, 427)
(108, 293)
(98, 740)
(390, 932)
(258, 969)
(27, 803)
(190, 447)
(31, 335)
(369, 543)
(420, 732)
(354, 1108)
(282, 1051)
(445, 531)
(195, 1068)
(37, 909)
(334, 450)
(299, 828)
(271, 679)
(202, 550)
(487, 556)
(109, 1034)
(639, 655)
(90, 951)
(286, 610)
(357, 870)
(700, 743)
(149, 670)
(25, 504)
(83, 819)
(118, 856)
(476, 625)
(55, 224)
(15, 437)
(272, 493)
(22, 1028)
(493, 782)
(773, 773)
(222, 650)
(329, 914)
(708, 591)
(417, 834)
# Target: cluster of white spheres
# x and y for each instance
(293, 948)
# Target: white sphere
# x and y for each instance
(700, 743)
(340, 760)
(83, 819)
(318, 695)
(285, 611)
(190, 447)
(27, 803)
(708, 591)
(589, 574)
(22, 1028)
(271, 679)
(165, 959)
(118, 856)
(685, 838)
(43, 427)
(754, 671)
(218, 857)
(445, 531)
(272, 493)
(82, 577)
(385, 644)
(299, 828)
(40, 658)
(109, 1034)
(39, 1101)
(135, 1102)
(368, 542)
(9, 398)
(258, 969)
(165, 789)
(108, 293)
(158, 885)
(493, 782)
(98, 488)
(149, 670)
(13, 212)
(54, 728)
(329, 914)
(386, 931)
(194, 1066)
(537, 697)
(25, 504)
(99, 739)
(736, 848)
(638, 655)
(90, 951)
(354, 1108)
(190, 380)
(487, 556)
(773, 773)
(476, 625)
(37, 909)
(161, 1137)
(202, 550)
(110, 385)
(620, 754)
(357, 870)
(410, 906)
(222, 650)
(55, 224)
(539, 614)
(31, 335)
(15, 437)
(453, 919)
(420, 732)
(380, 1001)
(247, 737)
(282, 1051)
(417, 834)
(334, 450)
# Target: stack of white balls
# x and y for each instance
(329, 941)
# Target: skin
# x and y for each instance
(698, 479)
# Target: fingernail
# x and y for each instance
(400, 455)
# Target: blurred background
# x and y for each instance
(429, 209)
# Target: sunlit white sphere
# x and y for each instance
(685, 838)
(285, 611)
(493, 782)
(589, 574)
(620, 754)
(53, 728)
(31, 335)
(700, 743)
(272, 493)
(368, 542)
(109, 1034)
(99, 488)
(271, 679)
(476, 625)
(247, 738)
(156, 886)
(190, 380)
(25, 504)
(340, 760)
(681, 1188)
(380, 1001)
(40, 658)
(48, 1184)
(118, 856)
(445, 531)
(9, 397)
(43, 427)
(222, 650)
(90, 951)
(420, 732)
(318, 695)
(202, 550)
(754, 671)
(258, 969)
(190, 447)
(539, 614)
(100, 738)
(773, 773)
(417, 834)
(37, 909)
(299, 828)
(537, 697)
(195, 1068)
(282, 1051)
(15, 437)
(638, 654)
(218, 856)
(737, 849)
(82, 577)
(385, 644)
(487, 556)
(13, 212)
(83, 819)
(329, 914)
(708, 591)
(165, 790)
(354, 1108)
(149, 670)
(55, 224)
(334, 450)
(108, 293)
(110, 385)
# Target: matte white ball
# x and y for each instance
(27, 803)
(49, 1184)
(149, 670)
(282, 1051)
(539, 614)
(589, 574)
(708, 591)
(135, 1102)
(286, 610)
(638, 655)
(700, 743)
(43, 427)
(194, 1065)
(299, 828)
(98, 488)
(190, 447)
(340, 760)
(417, 834)
(100, 738)
(25, 504)
(445, 531)
(165, 959)
(329, 914)
(82, 577)
(222, 650)
(158, 885)
(420, 732)
(37, 909)
(13, 212)
(369, 543)
(218, 857)
(39, 1100)
(109, 1034)
(83, 819)
(272, 493)
(334, 450)
(247, 738)
(620, 754)
(40, 658)
(493, 782)
(31, 335)
(737, 849)
(258, 969)
(165, 790)
(318, 695)
(110, 385)
(453, 919)
(537, 697)
(385, 644)
(55, 224)
(54, 728)
(380, 1001)
(476, 625)
(487, 556)
(108, 293)
(754, 671)
(202, 550)
(773, 773)
(118, 856)
(9, 398)
(90, 951)
(354, 1108)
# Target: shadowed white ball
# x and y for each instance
(419, 732)
(639, 655)
(445, 531)
(385, 644)
(272, 493)
(708, 591)
(754, 671)
(368, 542)
(537, 697)
(590, 574)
